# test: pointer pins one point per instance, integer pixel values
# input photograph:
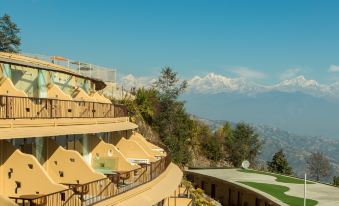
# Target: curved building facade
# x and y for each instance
(64, 143)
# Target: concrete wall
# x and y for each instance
(227, 193)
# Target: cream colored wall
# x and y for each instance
(65, 82)
(100, 98)
(25, 79)
(74, 168)
(101, 149)
(54, 92)
(133, 150)
(81, 95)
(7, 88)
(137, 137)
(33, 180)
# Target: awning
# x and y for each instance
(49, 131)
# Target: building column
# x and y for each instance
(85, 149)
(39, 149)
(7, 71)
(42, 84)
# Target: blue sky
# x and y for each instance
(265, 41)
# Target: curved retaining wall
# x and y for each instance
(228, 193)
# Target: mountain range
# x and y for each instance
(214, 84)
(299, 105)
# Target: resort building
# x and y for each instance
(62, 142)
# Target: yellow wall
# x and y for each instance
(145, 145)
(102, 150)
(69, 163)
(24, 168)
(133, 150)
(7, 88)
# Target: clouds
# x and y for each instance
(129, 81)
(333, 68)
(290, 73)
(247, 73)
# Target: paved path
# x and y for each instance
(326, 195)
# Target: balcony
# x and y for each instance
(12, 107)
(58, 117)
(98, 190)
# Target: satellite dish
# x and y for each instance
(245, 164)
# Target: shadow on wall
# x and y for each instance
(64, 165)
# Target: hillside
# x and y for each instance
(295, 112)
(296, 147)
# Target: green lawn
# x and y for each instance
(279, 178)
(278, 192)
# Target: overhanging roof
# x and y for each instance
(49, 131)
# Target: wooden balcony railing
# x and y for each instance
(99, 190)
(33, 108)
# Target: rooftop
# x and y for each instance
(285, 188)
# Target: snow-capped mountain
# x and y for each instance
(214, 84)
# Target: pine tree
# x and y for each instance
(279, 164)
(9, 35)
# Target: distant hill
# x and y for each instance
(295, 112)
(296, 147)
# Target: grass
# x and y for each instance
(278, 192)
(279, 178)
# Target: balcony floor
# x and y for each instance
(24, 128)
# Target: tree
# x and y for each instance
(147, 101)
(279, 164)
(173, 124)
(318, 165)
(245, 144)
(9, 35)
(336, 181)
(213, 149)
(169, 85)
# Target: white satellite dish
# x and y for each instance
(245, 164)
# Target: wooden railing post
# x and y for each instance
(7, 112)
(93, 110)
(51, 108)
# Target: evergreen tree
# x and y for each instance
(245, 144)
(9, 35)
(172, 122)
(279, 164)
